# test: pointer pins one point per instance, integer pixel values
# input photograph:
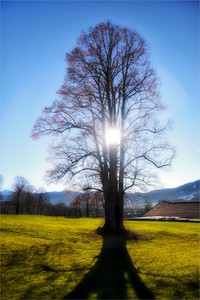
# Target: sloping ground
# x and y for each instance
(189, 210)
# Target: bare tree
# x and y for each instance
(106, 118)
(76, 206)
(19, 188)
(42, 201)
(28, 199)
(97, 204)
(1, 196)
(1, 184)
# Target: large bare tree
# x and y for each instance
(106, 117)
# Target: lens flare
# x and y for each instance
(113, 137)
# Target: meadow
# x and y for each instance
(46, 257)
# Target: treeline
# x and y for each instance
(26, 200)
(88, 205)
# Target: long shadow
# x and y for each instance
(112, 275)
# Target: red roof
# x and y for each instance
(190, 209)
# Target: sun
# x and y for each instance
(113, 137)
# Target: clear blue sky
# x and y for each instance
(34, 39)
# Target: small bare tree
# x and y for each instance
(76, 206)
(97, 204)
(1, 196)
(20, 186)
(107, 117)
(28, 200)
(1, 184)
(42, 200)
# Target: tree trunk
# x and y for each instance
(87, 206)
(113, 199)
(113, 213)
(17, 208)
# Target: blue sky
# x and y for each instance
(34, 39)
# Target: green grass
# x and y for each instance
(47, 257)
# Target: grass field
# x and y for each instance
(47, 257)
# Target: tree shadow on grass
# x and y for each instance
(112, 275)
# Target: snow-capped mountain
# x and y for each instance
(186, 192)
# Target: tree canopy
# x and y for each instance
(106, 117)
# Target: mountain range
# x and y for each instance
(188, 191)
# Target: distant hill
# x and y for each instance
(6, 192)
(188, 191)
(64, 197)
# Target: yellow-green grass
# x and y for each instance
(46, 257)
